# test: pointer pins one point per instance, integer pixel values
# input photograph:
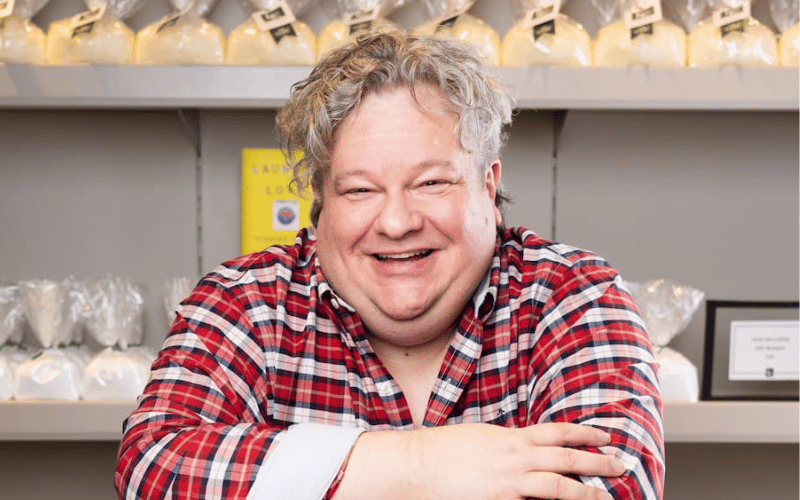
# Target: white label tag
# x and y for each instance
(731, 15)
(268, 20)
(171, 20)
(360, 20)
(5, 8)
(83, 23)
(642, 13)
(545, 13)
(764, 350)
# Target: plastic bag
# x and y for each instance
(11, 322)
(272, 37)
(183, 37)
(785, 14)
(355, 17)
(667, 308)
(12, 316)
(689, 12)
(53, 312)
(789, 47)
(114, 317)
(11, 357)
(175, 290)
(21, 41)
(542, 37)
(451, 20)
(731, 36)
(641, 38)
(97, 36)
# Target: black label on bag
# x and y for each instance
(271, 15)
(548, 28)
(281, 32)
(647, 29)
(169, 22)
(83, 29)
(727, 29)
(447, 23)
(84, 23)
(359, 27)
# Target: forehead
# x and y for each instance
(396, 123)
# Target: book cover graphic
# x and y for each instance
(271, 213)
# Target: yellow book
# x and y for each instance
(271, 213)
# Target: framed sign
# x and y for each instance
(752, 351)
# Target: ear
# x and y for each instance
(316, 204)
(492, 181)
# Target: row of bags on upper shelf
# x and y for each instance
(56, 314)
(633, 32)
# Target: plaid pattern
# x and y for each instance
(263, 342)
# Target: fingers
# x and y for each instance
(551, 486)
(553, 454)
(571, 461)
(565, 434)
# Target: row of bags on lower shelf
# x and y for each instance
(57, 314)
(186, 37)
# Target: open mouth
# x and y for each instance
(402, 257)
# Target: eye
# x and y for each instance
(357, 193)
(434, 185)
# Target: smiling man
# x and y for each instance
(407, 346)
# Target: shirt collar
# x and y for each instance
(485, 295)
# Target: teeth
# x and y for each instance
(406, 255)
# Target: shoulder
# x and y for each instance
(532, 253)
(265, 273)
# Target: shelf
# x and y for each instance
(63, 420)
(703, 422)
(732, 422)
(540, 87)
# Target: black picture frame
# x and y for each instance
(716, 385)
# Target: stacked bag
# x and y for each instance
(706, 33)
(57, 314)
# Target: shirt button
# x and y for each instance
(334, 303)
(385, 388)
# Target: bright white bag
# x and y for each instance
(114, 317)
(22, 41)
(273, 36)
(53, 311)
(183, 37)
(667, 308)
(98, 36)
(451, 20)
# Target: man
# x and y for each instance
(408, 346)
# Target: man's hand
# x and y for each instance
(478, 462)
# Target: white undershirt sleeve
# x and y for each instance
(304, 463)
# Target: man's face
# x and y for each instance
(407, 228)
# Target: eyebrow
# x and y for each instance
(418, 169)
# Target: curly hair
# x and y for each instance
(307, 123)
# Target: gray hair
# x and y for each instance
(307, 123)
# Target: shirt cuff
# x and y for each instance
(304, 463)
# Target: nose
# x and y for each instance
(398, 216)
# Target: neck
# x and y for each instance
(404, 357)
(415, 369)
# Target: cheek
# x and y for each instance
(340, 226)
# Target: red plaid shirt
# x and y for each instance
(263, 343)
